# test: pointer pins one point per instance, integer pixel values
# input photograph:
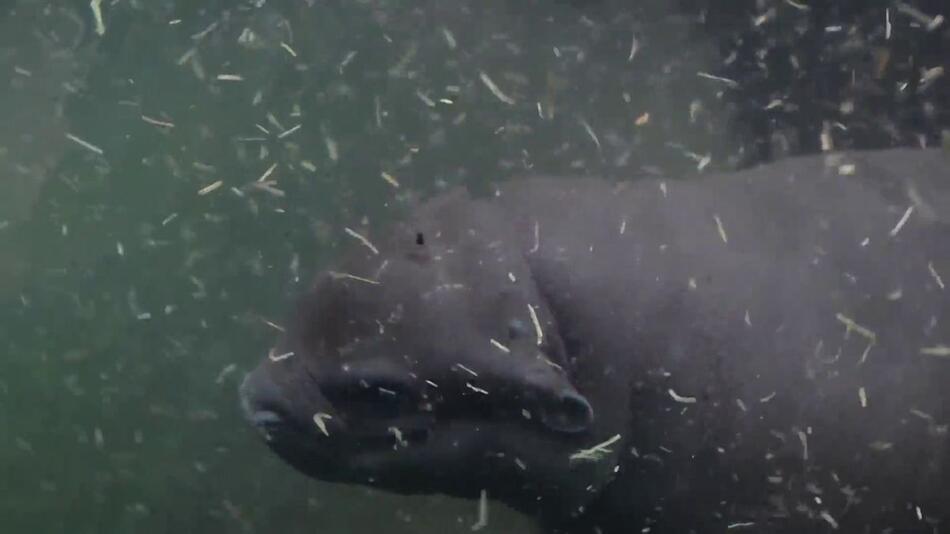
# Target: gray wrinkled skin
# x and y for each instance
(771, 348)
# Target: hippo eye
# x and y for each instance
(420, 239)
(517, 329)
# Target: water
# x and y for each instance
(167, 186)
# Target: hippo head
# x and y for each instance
(429, 365)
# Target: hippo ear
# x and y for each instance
(566, 411)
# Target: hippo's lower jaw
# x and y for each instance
(458, 451)
(386, 453)
(332, 430)
(332, 444)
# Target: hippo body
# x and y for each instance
(767, 351)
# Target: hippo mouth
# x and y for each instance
(342, 437)
(336, 420)
(387, 429)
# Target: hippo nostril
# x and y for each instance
(261, 399)
(569, 413)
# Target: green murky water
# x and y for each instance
(167, 184)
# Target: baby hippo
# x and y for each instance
(766, 351)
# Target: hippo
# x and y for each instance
(762, 351)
